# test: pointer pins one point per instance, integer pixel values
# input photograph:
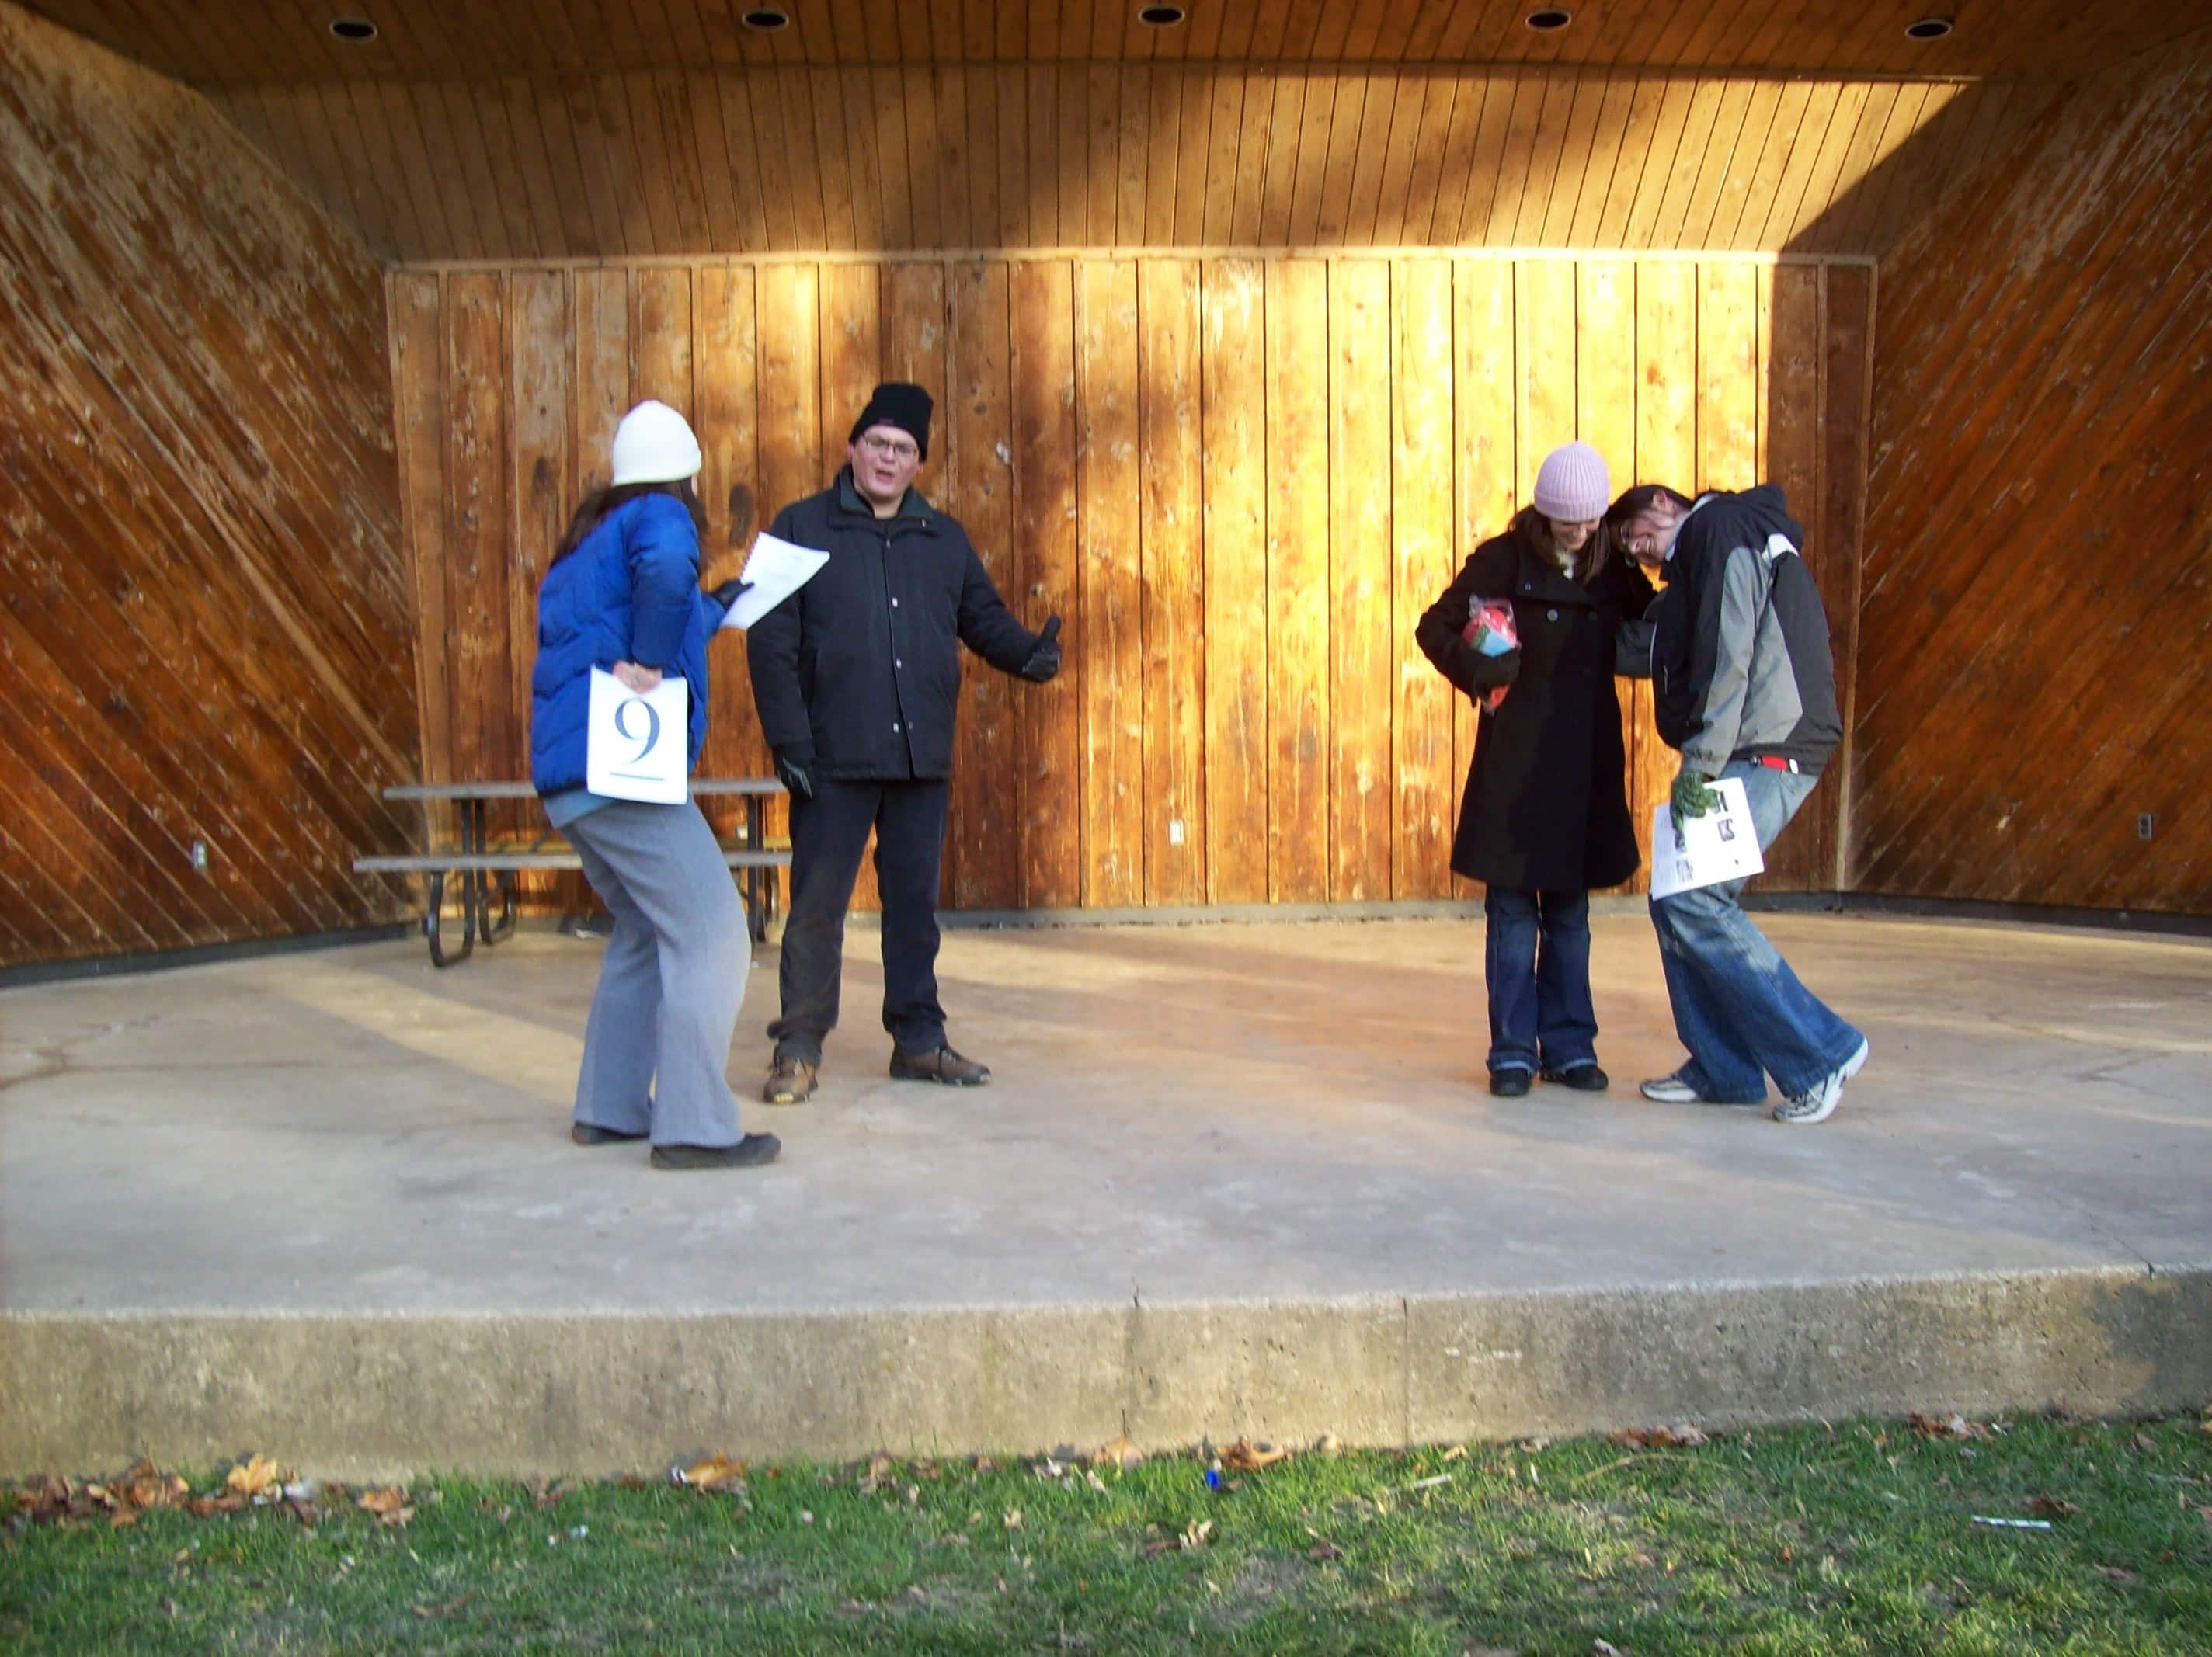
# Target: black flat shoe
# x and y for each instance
(753, 1150)
(1509, 1084)
(1582, 1078)
(587, 1133)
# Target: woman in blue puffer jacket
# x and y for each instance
(623, 594)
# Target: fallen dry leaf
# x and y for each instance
(388, 1504)
(1119, 1453)
(1604, 1648)
(254, 1476)
(1246, 1457)
(714, 1473)
(1954, 1426)
(1656, 1438)
(2118, 1574)
(1324, 1550)
(1013, 1520)
(2051, 1507)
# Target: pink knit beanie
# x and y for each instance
(1571, 486)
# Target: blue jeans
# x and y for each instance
(1537, 966)
(1738, 1008)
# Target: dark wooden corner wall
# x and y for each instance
(2037, 624)
(205, 633)
(1239, 480)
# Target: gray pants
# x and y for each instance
(672, 980)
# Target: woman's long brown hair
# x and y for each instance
(597, 503)
(1533, 527)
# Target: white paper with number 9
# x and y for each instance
(637, 745)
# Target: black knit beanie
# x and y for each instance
(894, 402)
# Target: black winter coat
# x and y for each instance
(857, 674)
(1546, 801)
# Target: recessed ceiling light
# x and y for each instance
(356, 30)
(766, 19)
(1162, 17)
(1928, 29)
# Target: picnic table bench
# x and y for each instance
(486, 878)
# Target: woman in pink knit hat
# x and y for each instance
(1545, 817)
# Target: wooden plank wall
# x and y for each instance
(1238, 480)
(205, 633)
(1142, 155)
(2037, 608)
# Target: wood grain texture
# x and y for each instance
(978, 414)
(595, 164)
(1050, 723)
(1425, 785)
(1238, 481)
(1108, 487)
(280, 41)
(1359, 581)
(1299, 590)
(1173, 596)
(208, 631)
(2036, 601)
(1234, 491)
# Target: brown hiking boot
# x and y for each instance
(790, 1081)
(939, 1064)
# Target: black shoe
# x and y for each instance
(752, 1152)
(1582, 1078)
(940, 1065)
(590, 1133)
(1511, 1082)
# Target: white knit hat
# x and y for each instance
(654, 444)
(1571, 486)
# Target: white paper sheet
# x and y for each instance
(777, 569)
(636, 746)
(1721, 845)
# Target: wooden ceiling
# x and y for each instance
(287, 40)
(750, 162)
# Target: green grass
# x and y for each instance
(1857, 1539)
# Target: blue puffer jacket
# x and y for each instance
(629, 592)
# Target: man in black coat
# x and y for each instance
(856, 677)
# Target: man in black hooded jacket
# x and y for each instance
(856, 679)
(1744, 686)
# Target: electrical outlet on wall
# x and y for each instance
(2146, 825)
(1175, 831)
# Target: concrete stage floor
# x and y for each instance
(1232, 1177)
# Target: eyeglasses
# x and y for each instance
(891, 448)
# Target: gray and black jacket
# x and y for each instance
(1741, 667)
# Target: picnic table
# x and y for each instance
(486, 878)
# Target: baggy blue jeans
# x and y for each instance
(1738, 1008)
(1537, 967)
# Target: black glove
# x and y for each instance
(791, 774)
(1044, 660)
(1499, 670)
(728, 593)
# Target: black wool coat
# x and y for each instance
(857, 674)
(1546, 801)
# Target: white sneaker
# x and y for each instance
(1670, 1090)
(1820, 1103)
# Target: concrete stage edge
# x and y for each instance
(1230, 1179)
